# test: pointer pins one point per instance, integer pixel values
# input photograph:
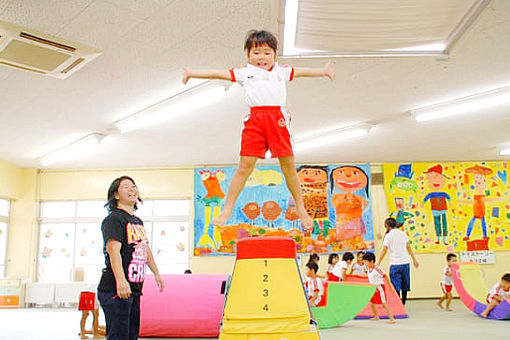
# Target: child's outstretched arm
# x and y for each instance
(205, 74)
(326, 71)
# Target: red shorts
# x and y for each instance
(446, 288)
(379, 295)
(267, 127)
(87, 301)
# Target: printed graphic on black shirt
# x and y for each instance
(135, 235)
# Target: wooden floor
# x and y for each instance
(425, 322)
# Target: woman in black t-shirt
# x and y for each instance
(126, 250)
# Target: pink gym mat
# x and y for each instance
(190, 306)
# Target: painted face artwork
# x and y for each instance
(349, 179)
(311, 175)
(436, 180)
(480, 181)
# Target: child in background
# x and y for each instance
(88, 304)
(358, 267)
(340, 270)
(267, 127)
(447, 282)
(313, 284)
(376, 276)
(332, 261)
(498, 293)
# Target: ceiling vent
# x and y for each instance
(41, 53)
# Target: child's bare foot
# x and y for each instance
(448, 309)
(484, 315)
(375, 318)
(222, 218)
(393, 321)
(83, 336)
(440, 305)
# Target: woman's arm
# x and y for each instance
(410, 251)
(113, 249)
(154, 268)
(205, 74)
(381, 257)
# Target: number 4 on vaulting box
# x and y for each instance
(266, 299)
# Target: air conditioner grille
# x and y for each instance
(33, 56)
(47, 42)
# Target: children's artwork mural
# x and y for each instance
(447, 207)
(335, 196)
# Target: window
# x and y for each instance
(71, 242)
(5, 208)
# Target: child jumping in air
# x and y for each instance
(376, 275)
(268, 124)
(447, 282)
(313, 284)
(498, 293)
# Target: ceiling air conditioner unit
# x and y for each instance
(41, 53)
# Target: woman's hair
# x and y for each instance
(390, 222)
(332, 257)
(114, 187)
(256, 38)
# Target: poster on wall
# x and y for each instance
(335, 196)
(446, 207)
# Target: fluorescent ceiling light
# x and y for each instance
(434, 47)
(463, 105)
(74, 150)
(331, 136)
(187, 100)
(289, 31)
(505, 152)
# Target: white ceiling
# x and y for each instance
(146, 44)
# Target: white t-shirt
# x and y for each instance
(314, 285)
(339, 269)
(359, 269)
(498, 290)
(376, 276)
(396, 241)
(264, 88)
(447, 276)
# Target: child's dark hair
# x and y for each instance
(332, 257)
(187, 271)
(313, 266)
(450, 256)
(370, 257)
(506, 277)
(361, 252)
(112, 201)
(391, 223)
(256, 38)
(347, 256)
(313, 257)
